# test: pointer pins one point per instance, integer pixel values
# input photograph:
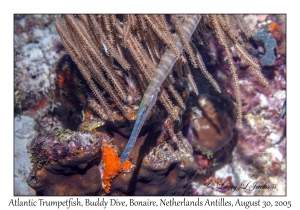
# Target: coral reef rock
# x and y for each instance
(213, 121)
(166, 170)
(24, 133)
(37, 47)
(65, 163)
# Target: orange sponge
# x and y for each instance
(273, 26)
(112, 165)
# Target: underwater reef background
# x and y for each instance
(67, 143)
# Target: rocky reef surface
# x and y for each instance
(258, 165)
(62, 147)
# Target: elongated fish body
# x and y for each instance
(162, 71)
(142, 114)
